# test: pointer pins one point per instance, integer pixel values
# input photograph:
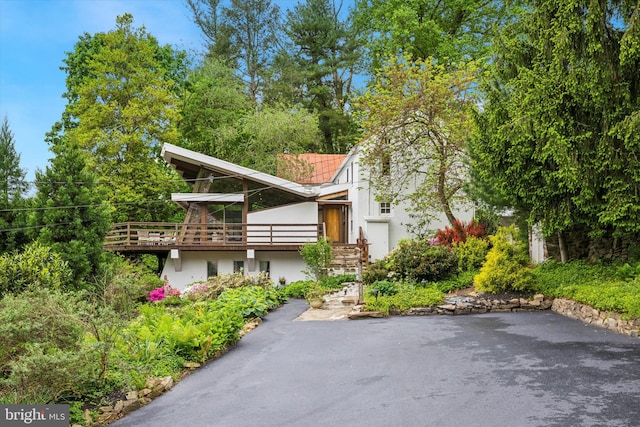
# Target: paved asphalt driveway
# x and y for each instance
(508, 369)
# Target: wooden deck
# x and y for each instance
(161, 237)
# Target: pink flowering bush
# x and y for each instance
(163, 292)
(198, 291)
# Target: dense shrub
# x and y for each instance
(506, 265)
(37, 266)
(420, 260)
(121, 285)
(42, 357)
(296, 289)
(377, 270)
(471, 253)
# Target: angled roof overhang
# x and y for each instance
(188, 163)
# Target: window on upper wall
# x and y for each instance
(238, 266)
(385, 208)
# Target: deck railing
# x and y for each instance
(146, 234)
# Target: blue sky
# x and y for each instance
(34, 36)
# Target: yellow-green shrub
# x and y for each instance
(506, 265)
(471, 253)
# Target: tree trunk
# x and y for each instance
(562, 245)
(444, 201)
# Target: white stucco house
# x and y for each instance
(239, 219)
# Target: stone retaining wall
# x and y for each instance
(153, 388)
(479, 304)
(592, 316)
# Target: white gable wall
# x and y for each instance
(383, 231)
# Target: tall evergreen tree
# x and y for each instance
(72, 214)
(560, 131)
(327, 53)
(13, 187)
(244, 35)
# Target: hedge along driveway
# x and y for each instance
(502, 369)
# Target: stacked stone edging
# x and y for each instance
(478, 304)
(153, 388)
(591, 316)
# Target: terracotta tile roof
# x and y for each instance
(309, 168)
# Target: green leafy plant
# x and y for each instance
(377, 270)
(462, 280)
(317, 257)
(627, 272)
(315, 291)
(382, 288)
(507, 264)
(408, 296)
(337, 281)
(296, 289)
(37, 266)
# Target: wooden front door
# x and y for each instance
(334, 221)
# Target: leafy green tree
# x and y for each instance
(558, 137)
(416, 118)
(218, 120)
(122, 90)
(72, 215)
(326, 53)
(212, 105)
(273, 131)
(446, 30)
(13, 187)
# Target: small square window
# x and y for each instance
(385, 208)
(238, 266)
(212, 268)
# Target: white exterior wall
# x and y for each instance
(287, 264)
(301, 213)
(384, 231)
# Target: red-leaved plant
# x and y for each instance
(459, 232)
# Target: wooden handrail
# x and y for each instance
(130, 234)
